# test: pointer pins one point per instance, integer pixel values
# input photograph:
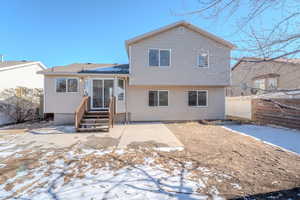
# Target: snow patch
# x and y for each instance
(169, 149)
(287, 139)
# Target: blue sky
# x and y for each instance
(60, 32)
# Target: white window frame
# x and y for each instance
(201, 106)
(67, 78)
(117, 96)
(208, 60)
(158, 98)
(272, 78)
(260, 80)
(159, 49)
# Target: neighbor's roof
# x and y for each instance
(11, 64)
(281, 60)
(85, 68)
(177, 24)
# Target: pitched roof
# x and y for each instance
(253, 59)
(177, 24)
(95, 68)
(10, 63)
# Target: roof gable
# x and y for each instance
(177, 24)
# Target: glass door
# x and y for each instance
(102, 90)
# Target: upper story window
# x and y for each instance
(203, 60)
(197, 98)
(66, 85)
(159, 57)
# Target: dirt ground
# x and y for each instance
(234, 165)
(257, 167)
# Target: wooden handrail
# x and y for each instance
(81, 109)
(112, 111)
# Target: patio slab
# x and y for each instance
(148, 132)
(63, 136)
(120, 136)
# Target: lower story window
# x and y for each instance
(66, 85)
(158, 98)
(197, 98)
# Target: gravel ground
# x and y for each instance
(258, 168)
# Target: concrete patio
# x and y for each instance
(120, 136)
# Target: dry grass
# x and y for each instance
(257, 167)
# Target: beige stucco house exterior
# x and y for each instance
(177, 72)
(253, 75)
(15, 74)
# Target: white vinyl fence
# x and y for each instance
(238, 107)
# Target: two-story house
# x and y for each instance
(177, 72)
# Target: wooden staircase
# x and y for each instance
(87, 120)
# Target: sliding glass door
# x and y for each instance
(102, 91)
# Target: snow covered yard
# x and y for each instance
(283, 137)
(77, 172)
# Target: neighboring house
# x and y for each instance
(177, 72)
(254, 76)
(15, 74)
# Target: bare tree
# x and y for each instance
(270, 41)
(264, 38)
(20, 104)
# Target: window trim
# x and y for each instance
(268, 83)
(160, 49)
(158, 98)
(197, 106)
(264, 83)
(66, 79)
(208, 60)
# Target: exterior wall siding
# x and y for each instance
(61, 102)
(178, 108)
(289, 76)
(185, 46)
(21, 76)
(25, 76)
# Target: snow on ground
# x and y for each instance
(77, 173)
(279, 136)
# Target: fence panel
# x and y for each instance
(282, 112)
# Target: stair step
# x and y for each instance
(96, 112)
(104, 109)
(94, 124)
(101, 128)
(95, 120)
(96, 116)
